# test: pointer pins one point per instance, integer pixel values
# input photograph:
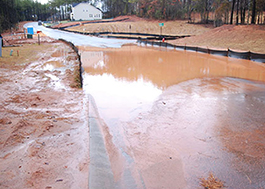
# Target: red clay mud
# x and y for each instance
(43, 121)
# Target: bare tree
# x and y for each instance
(253, 18)
(232, 11)
(237, 10)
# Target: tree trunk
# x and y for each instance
(242, 3)
(232, 11)
(184, 4)
(127, 7)
(189, 10)
(206, 12)
(253, 19)
(237, 10)
(244, 11)
(163, 9)
(262, 21)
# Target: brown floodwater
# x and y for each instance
(173, 117)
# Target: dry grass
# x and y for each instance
(77, 83)
(211, 182)
(22, 54)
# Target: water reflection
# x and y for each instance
(166, 68)
(203, 125)
(52, 65)
(120, 99)
(126, 81)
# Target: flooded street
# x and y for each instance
(79, 39)
(165, 118)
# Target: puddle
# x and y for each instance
(52, 65)
(125, 82)
(179, 115)
(55, 81)
(128, 99)
(164, 68)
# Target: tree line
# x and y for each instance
(243, 10)
(224, 11)
(14, 11)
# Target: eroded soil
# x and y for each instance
(43, 121)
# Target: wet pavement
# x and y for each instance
(170, 117)
(79, 39)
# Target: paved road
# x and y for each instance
(78, 39)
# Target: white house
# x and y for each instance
(85, 11)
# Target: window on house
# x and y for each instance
(90, 15)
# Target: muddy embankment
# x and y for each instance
(44, 137)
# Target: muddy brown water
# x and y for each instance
(168, 118)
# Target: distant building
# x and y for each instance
(85, 11)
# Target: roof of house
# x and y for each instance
(75, 4)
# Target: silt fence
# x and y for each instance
(228, 53)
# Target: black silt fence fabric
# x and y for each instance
(121, 37)
(156, 43)
(163, 44)
(218, 52)
(141, 34)
(202, 50)
(191, 48)
(170, 45)
(257, 57)
(241, 55)
(180, 47)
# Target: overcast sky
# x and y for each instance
(43, 1)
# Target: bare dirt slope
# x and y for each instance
(245, 38)
(43, 127)
(138, 25)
